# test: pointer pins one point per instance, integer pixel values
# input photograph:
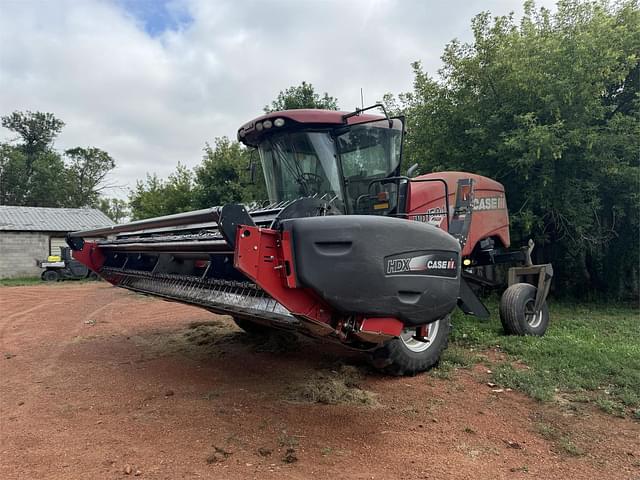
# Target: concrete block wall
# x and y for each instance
(19, 251)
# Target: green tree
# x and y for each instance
(146, 200)
(156, 197)
(39, 181)
(301, 96)
(13, 184)
(179, 190)
(114, 208)
(85, 175)
(224, 176)
(549, 107)
(33, 173)
(37, 130)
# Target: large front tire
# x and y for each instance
(517, 311)
(407, 356)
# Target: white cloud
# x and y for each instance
(153, 101)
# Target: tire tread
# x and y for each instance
(512, 314)
(394, 359)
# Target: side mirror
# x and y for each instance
(412, 171)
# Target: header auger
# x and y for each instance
(348, 248)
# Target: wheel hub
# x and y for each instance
(534, 319)
(408, 337)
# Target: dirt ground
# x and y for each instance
(100, 383)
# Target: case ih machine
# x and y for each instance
(348, 249)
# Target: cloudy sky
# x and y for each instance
(150, 81)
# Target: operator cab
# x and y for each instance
(342, 156)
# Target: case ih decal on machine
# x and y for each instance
(489, 203)
(423, 263)
(332, 254)
(436, 215)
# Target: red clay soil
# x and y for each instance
(96, 382)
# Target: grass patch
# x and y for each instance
(454, 357)
(561, 440)
(610, 406)
(333, 387)
(459, 357)
(569, 447)
(30, 281)
(20, 282)
(588, 348)
(443, 370)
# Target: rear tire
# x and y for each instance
(252, 328)
(517, 311)
(50, 276)
(407, 356)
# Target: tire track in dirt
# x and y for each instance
(79, 325)
(50, 361)
(93, 416)
(6, 322)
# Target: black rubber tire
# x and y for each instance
(395, 358)
(50, 276)
(515, 302)
(252, 328)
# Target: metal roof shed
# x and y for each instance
(28, 234)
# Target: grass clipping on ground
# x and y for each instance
(333, 387)
(214, 337)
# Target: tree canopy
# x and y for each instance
(37, 130)
(222, 177)
(114, 208)
(33, 173)
(86, 170)
(549, 107)
(301, 96)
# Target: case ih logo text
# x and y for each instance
(422, 263)
(441, 264)
(489, 203)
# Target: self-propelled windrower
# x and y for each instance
(347, 248)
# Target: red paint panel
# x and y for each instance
(90, 255)
(486, 221)
(259, 255)
(287, 256)
(315, 116)
(386, 326)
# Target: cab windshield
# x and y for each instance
(300, 164)
(306, 163)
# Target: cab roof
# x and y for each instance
(249, 135)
